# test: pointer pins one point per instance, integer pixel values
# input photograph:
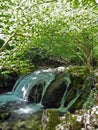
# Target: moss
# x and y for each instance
(70, 122)
(77, 71)
(4, 116)
(81, 82)
(78, 74)
(50, 119)
(31, 123)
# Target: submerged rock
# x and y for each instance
(32, 122)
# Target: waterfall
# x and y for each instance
(34, 87)
(65, 95)
(46, 86)
(22, 88)
(24, 84)
(65, 109)
(68, 81)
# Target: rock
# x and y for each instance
(7, 80)
(82, 120)
(69, 122)
(4, 116)
(33, 122)
(50, 118)
(55, 92)
(81, 82)
(36, 93)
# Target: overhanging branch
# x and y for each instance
(5, 44)
(10, 38)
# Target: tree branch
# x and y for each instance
(50, 1)
(10, 38)
(5, 44)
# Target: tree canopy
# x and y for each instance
(58, 28)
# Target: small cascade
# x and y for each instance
(24, 85)
(51, 88)
(22, 88)
(65, 109)
(68, 81)
(17, 82)
(46, 86)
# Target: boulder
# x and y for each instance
(78, 91)
(81, 82)
(55, 92)
(81, 120)
(50, 119)
(36, 92)
(7, 80)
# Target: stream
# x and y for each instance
(29, 92)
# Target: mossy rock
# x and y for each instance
(7, 80)
(77, 72)
(31, 123)
(50, 119)
(83, 119)
(55, 91)
(4, 116)
(69, 122)
(72, 122)
(81, 82)
(96, 78)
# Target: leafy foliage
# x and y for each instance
(63, 28)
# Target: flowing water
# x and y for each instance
(68, 81)
(24, 85)
(65, 109)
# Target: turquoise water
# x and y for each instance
(24, 85)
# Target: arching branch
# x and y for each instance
(5, 44)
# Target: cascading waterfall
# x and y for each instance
(23, 88)
(78, 93)
(25, 83)
(65, 109)
(45, 88)
(68, 81)
(72, 101)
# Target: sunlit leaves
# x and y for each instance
(46, 24)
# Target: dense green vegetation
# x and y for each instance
(37, 34)
(59, 29)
